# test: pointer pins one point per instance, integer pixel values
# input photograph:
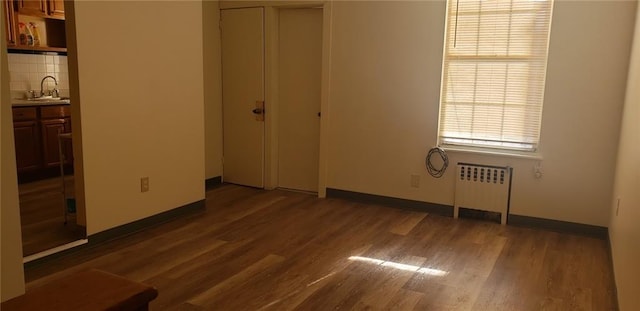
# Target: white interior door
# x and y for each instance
(242, 91)
(299, 74)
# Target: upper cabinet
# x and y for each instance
(42, 8)
(56, 8)
(48, 14)
(10, 22)
(32, 7)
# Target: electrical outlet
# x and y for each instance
(144, 184)
(537, 170)
(415, 181)
(617, 206)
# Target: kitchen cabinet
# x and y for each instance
(27, 139)
(54, 121)
(50, 131)
(42, 8)
(36, 131)
(51, 12)
(10, 22)
(27, 151)
(32, 7)
(55, 8)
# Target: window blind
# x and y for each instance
(494, 67)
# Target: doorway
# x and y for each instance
(41, 84)
(273, 54)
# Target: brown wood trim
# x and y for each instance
(433, 208)
(559, 226)
(212, 182)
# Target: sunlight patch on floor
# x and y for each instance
(400, 266)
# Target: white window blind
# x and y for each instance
(494, 69)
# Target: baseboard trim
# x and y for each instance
(558, 226)
(433, 208)
(145, 223)
(212, 182)
(122, 231)
(447, 210)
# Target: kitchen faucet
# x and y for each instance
(55, 89)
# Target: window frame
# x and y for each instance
(531, 59)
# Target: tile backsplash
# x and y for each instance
(27, 70)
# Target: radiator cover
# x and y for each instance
(483, 187)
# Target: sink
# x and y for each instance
(46, 98)
(41, 101)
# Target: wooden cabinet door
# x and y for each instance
(56, 8)
(26, 137)
(10, 22)
(50, 130)
(32, 7)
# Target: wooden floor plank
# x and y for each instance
(404, 300)
(205, 298)
(408, 222)
(276, 250)
(389, 280)
(42, 215)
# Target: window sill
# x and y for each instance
(494, 152)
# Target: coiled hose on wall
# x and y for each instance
(434, 171)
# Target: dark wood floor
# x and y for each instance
(277, 250)
(42, 216)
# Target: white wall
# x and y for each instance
(212, 88)
(385, 83)
(624, 231)
(11, 270)
(140, 68)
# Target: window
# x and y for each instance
(495, 60)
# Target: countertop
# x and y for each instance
(26, 103)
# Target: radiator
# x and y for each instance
(483, 187)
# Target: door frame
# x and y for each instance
(271, 30)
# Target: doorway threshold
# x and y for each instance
(54, 250)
